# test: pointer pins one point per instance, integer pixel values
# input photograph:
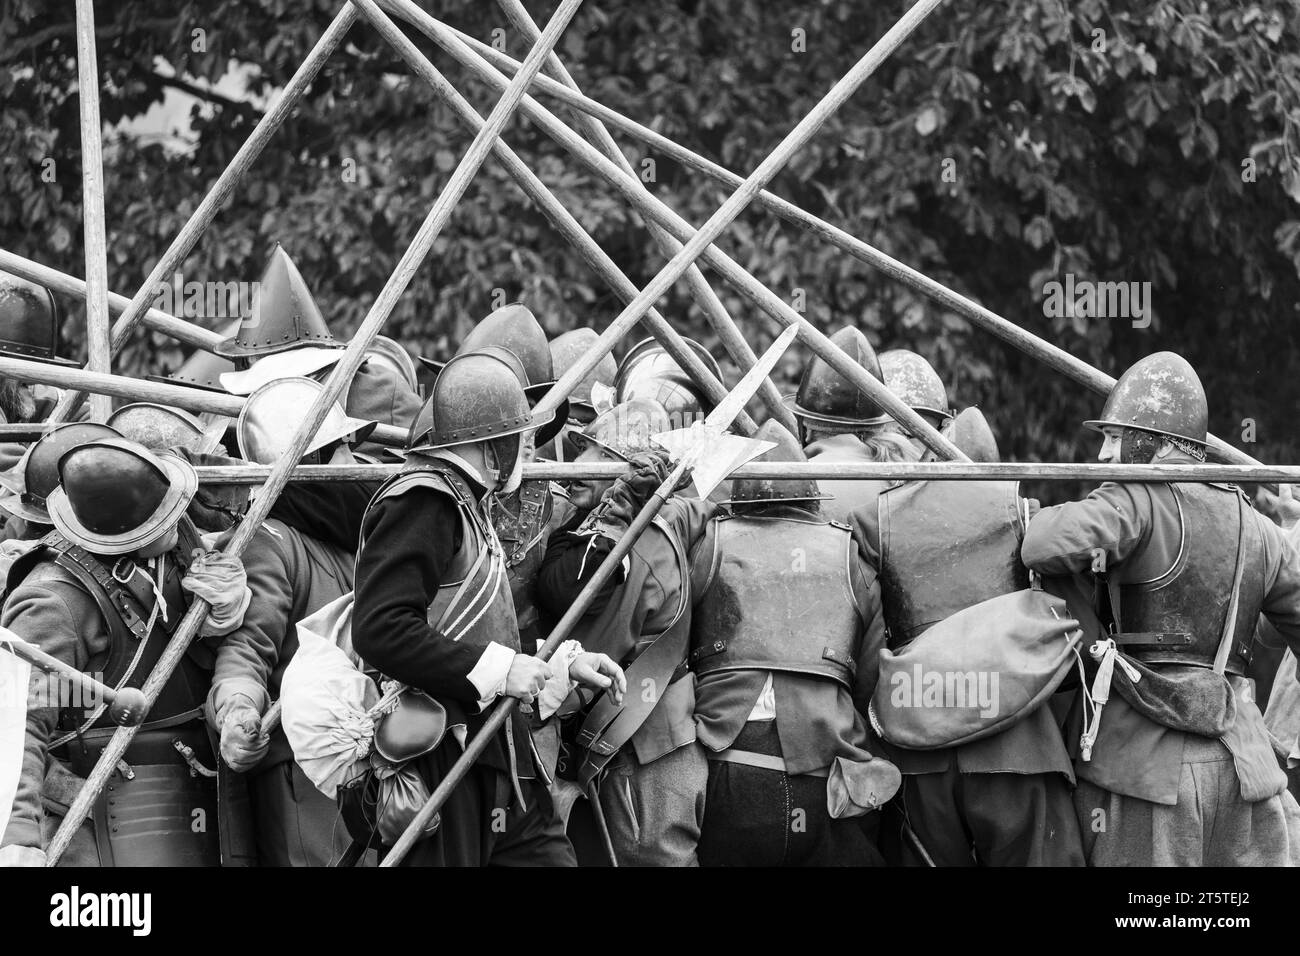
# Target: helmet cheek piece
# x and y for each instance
(501, 455)
(1138, 447)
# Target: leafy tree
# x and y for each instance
(1001, 147)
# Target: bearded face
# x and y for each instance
(16, 401)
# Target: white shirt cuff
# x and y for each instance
(489, 674)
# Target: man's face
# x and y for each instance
(1111, 439)
(586, 493)
(162, 545)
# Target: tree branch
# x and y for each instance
(69, 29)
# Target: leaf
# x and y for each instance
(927, 121)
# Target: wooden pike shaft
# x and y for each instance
(1051, 355)
(98, 356)
(771, 304)
(140, 390)
(890, 471)
(154, 319)
(221, 189)
(564, 223)
(342, 373)
(722, 323)
(52, 665)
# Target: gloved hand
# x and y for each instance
(14, 855)
(242, 743)
(625, 498)
(219, 579)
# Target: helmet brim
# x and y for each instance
(182, 485)
(1100, 424)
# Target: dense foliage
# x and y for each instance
(1155, 141)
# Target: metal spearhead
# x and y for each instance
(705, 447)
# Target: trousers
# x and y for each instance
(654, 811)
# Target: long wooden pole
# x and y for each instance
(98, 356)
(338, 379)
(141, 390)
(217, 195)
(771, 304)
(153, 319)
(818, 470)
(1050, 354)
(563, 221)
(723, 325)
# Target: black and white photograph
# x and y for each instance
(649, 434)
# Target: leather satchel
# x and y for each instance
(977, 672)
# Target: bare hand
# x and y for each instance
(527, 677)
(599, 672)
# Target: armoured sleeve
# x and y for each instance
(54, 617)
(248, 655)
(1060, 539)
(866, 592)
(410, 541)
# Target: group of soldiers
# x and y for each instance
(716, 703)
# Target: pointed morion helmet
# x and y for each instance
(1161, 394)
(156, 427)
(648, 371)
(969, 430)
(566, 350)
(284, 315)
(625, 430)
(38, 470)
(826, 397)
(29, 321)
(514, 327)
(115, 496)
(477, 396)
(755, 491)
(914, 380)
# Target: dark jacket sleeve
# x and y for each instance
(410, 541)
(570, 562)
(866, 593)
(1059, 540)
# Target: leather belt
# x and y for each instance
(748, 758)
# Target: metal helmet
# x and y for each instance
(389, 352)
(827, 397)
(38, 470)
(626, 429)
(969, 430)
(648, 371)
(273, 415)
(1161, 394)
(478, 395)
(29, 321)
(115, 496)
(284, 315)
(516, 329)
(754, 491)
(157, 427)
(566, 350)
(914, 380)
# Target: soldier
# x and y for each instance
(157, 427)
(784, 643)
(29, 484)
(433, 611)
(1178, 770)
(525, 517)
(1004, 800)
(104, 593)
(651, 771)
(566, 350)
(286, 336)
(648, 371)
(914, 380)
(29, 329)
(291, 575)
(840, 423)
